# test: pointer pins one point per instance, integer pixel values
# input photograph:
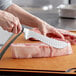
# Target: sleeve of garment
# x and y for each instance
(5, 4)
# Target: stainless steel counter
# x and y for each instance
(52, 17)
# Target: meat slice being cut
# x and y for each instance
(71, 37)
(30, 50)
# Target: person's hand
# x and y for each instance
(9, 22)
(50, 31)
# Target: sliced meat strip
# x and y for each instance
(71, 37)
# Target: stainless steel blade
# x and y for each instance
(50, 41)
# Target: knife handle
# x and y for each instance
(22, 29)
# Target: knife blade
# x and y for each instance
(50, 41)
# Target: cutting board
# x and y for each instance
(61, 64)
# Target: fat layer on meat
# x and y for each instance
(30, 50)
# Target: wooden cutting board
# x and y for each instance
(53, 64)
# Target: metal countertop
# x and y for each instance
(52, 17)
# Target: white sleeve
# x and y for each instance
(5, 4)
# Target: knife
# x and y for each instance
(50, 41)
